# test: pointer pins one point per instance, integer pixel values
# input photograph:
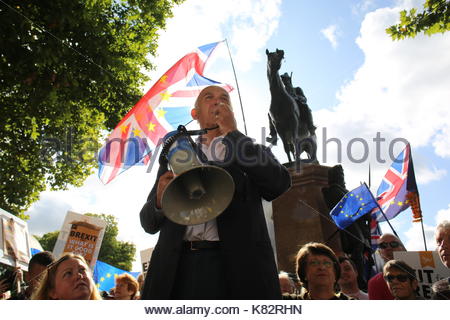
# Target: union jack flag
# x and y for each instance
(166, 105)
(398, 187)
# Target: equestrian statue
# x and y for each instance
(289, 114)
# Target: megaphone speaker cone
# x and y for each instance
(198, 195)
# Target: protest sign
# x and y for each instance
(14, 241)
(81, 235)
(429, 268)
(145, 259)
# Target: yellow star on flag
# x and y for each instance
(163, 79)
(137, 132)
(108, 275)
(151, 126)
(165, 96)
(102, 279)
(98, 285)
(160, 113)
(400, 203)
(123, 128)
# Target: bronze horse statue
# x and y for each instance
(283, 112)
(289, 115)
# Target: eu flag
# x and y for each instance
(105, 275)
(353, 206)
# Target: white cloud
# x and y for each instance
(414, 238)
(443, 214)
(442, 142)
(427, 175)
(331, 33)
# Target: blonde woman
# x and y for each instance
(68, 278)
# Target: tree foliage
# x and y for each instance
(114, 252)
(434, 18)
(68, 70)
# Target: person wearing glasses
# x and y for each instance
(387, 245)
(318, 269)
(401, 280)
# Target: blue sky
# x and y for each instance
(358, 82)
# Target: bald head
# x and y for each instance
(388, 244)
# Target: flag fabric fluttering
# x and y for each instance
(166, 105)
(375, 231)
(398, 189)
(353, 206)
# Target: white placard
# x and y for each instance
(15, 236)
(82, 235)
(429, 268)
(145, 259)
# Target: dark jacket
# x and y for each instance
(245, 244)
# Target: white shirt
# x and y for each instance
(208, 230)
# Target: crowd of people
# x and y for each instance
(212, 260)
(320, 275)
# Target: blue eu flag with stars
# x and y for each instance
(353, 206)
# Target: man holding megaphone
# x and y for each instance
(228, 255)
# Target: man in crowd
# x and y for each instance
(206, 261)
(441, 288)
(442, 236)
(401, 280)
(36, 267)
(387, 245)
(348, 282)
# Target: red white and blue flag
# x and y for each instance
(398, 188)
(165, 106)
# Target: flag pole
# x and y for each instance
(237, 86)
(423, 234)
(381, 210)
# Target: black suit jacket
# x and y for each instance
(246, 248)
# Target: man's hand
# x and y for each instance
(224, 117)
(162, 184)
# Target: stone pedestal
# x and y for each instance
(301, 215)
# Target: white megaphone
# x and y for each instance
(199, 192)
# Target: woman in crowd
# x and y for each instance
(68, 278)
(126, 287)
(318, 269)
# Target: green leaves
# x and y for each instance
(435, 18)
(69, 71)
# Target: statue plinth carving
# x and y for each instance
(301, 215)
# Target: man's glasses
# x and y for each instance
(316, 263)
(399, 277)
(393, 244)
